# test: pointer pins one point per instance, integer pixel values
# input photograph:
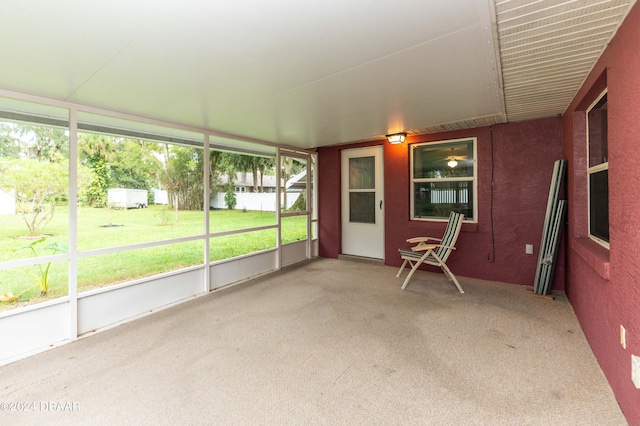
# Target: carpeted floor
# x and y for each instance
(330, 342)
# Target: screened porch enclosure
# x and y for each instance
(74, 261)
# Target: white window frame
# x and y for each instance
(594, 169)
(473, 179)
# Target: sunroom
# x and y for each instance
(202, 102)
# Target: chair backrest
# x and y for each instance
(450, 235)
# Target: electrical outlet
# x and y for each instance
(635, 370)
(623, 337)
(528, 249)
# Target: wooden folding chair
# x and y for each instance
(433, 253)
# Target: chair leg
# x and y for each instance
(448, 273)
(414, 266)
(406, 280)
(450, 276)
(402, 268)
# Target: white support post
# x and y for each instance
(73, 224)
(278, 211)
(314, 195)
(308, 206)
(207, 209)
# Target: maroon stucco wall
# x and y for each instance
(604, 285)
(520, 159)
(329, 231)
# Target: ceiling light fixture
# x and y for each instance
(395, 138)
(452, 163)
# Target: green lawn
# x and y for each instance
(101, 228)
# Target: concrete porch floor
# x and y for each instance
(326, 342)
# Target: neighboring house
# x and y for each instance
(243, 182)
(248, 199)
(297, 183)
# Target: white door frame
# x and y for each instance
(361, 238)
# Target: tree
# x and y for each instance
(265, 165)
(231, 164)
(34, 167)
(9, 144)
(117, 163)
(134, 164)
(37, 185)
(230, 197)
(184, 177)
(44, 143)
(215, 170)
(300, 204)
(96, 151)
(258, 165)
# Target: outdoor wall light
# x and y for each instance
(395, 138)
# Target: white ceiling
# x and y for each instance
(308, 73)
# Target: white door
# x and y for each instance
(362, 202)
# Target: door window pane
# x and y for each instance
(362, 173)
(362, 207)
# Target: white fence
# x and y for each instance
(257, 201)
(160, 196)
(449, 196)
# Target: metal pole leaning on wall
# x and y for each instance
(549, 262)
(551, 231)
